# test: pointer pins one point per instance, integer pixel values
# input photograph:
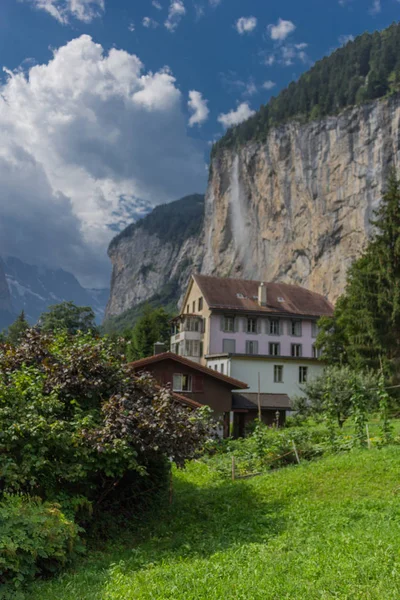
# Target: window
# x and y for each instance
(314, 329)
(316, 352)
(181, 383)
(215, 367)
(192, 324)
(278, 374)
(303, 372)
(188, 308)
(200, 304)
(222, 368)
(296, 350)
(229, 346)
(274, 328)
(229, 324)
(296, 328)
(251, 347)
(201, 349)
(194, 307)
(192, 348)
(274, 349)
(251, 325)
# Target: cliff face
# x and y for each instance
(297, 208)
(155, 257)
(6, 309)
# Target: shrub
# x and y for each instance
(35, 537)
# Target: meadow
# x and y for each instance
(325, 529)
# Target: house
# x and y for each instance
(257, 332)
(195, 382)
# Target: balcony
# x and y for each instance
(187, 336)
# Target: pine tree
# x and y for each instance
(17, 329)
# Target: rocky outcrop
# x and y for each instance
(297, 208)
(155, 257)
(294, 209)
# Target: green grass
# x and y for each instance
(325, 529)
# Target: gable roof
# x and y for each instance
(143, 362)
(249, 401)
(242, 295)
(185, 400)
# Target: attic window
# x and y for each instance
(239, 296)
(255, 297)
(280, 299)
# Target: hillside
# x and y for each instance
(153, 258)
(363, 70)
(327, 529)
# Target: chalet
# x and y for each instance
(260, 333)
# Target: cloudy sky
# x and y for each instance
(108, 107)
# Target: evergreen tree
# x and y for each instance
(365, 329)
(153, 326)
(17, 330)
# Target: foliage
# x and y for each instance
(153, 326)
(384, 401)
(35, 537)
(17, 329)
(331, 393)
(74, 421)
(67, 316)
(363, 70)
(332, 522)
(365, 329)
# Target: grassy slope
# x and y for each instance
(328, 529)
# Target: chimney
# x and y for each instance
(158, 348)
(262, 294)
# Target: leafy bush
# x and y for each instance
(75, 422)
(35, 537)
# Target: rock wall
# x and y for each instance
(297, 208)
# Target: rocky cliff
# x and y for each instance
(296, 208)
(7, 314)
(153, 258)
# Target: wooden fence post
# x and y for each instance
(295, 451)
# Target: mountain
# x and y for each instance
(291, 191)
(7, 314)
(152, 259)
(33, 289)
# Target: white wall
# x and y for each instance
(247, 370)
(215, 365)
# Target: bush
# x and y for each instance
(35, 537)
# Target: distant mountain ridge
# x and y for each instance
(34, 288)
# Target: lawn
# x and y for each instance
(324, 529)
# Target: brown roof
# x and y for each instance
(185, 400)
(242, 295)
(250, 401)
(143, 362)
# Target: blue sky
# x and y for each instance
(109, 106)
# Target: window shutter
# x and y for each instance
(255, 346)
(222, 323)
(259, 325)
(198, 383)
(236, 324)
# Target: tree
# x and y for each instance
(76, 423)
(332, 393)
(365, 329)
(18, 329)
(67, 316)
(153, 326)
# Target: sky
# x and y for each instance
(110, 107)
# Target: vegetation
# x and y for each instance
(365, 329)
(363, 70)
(78, 428)
(17, 329)
(325, 529)
(69, 317)
(173, 222)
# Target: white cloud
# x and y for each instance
(281, 30)
(198, 107)
(344, 39)
(286, 54)
(63, 10)
(149, 23)
(157, 5)
(175, 13)
(269, 60)
(245, 24)
(234, 117)
(131, 26)
(268, 85)
(215, 2)
(376, 7)
(82, 154)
